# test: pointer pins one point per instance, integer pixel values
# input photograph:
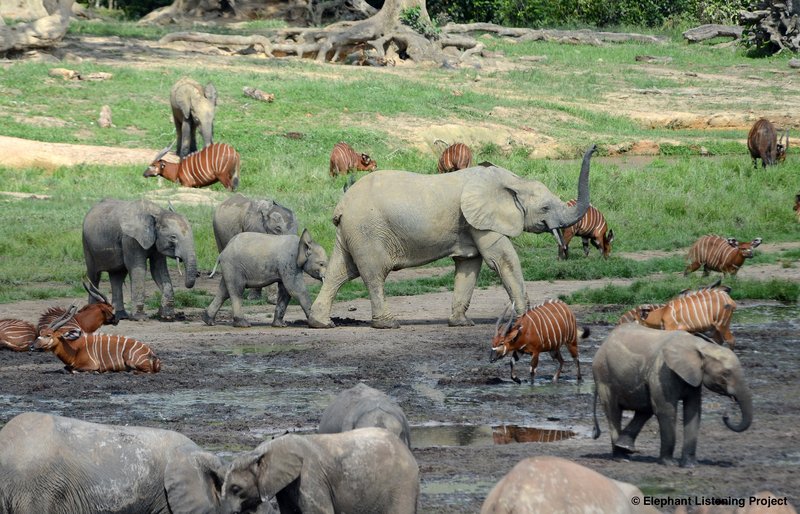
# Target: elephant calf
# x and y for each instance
(258, 260)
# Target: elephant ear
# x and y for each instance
(280, 464)
(489, 202)
(193, 481)
(255, 218)
(303, 250)
(139, 222)
(684, 358)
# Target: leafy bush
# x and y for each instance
(412, 17)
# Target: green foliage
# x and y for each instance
(412, 16)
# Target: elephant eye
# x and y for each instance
(235, 489)
(173, 238)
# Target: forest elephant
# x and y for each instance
(536, 484)
(193, 109)
(390, 220)
(362, 406)
(649, 371)
(123, 237)
(367, 470)
(258, 260)
(55, 464)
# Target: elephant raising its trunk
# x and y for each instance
(391, 220)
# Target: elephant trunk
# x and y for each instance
(572, 215)
(190, 263)
(745, 402)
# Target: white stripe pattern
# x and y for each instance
(215, 162)
(16, 334)
(344, 159)
(715, 253)
(455, 157)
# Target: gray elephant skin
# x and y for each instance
(193, 109)
(258, 260)
(649, 371)
(363, 471)
(362, 406)
(123, 237)
(52, 464)
(536, 484)
(390, 220)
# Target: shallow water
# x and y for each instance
(483, 435)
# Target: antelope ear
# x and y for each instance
(684, 358)
(489, 202)
(140, 224)
(755, 242)
(733, 242)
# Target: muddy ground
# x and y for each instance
(229, 388)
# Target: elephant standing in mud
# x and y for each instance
(362, 406)
(52, 464)
(193, 108)
(649, 371)
(390, 220)
(122, 237)
(363, 471)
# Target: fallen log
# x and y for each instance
(712, 30)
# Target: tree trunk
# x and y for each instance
(772, 25)
(42, 33)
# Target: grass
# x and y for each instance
(659, 203)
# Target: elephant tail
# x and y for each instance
(596, 430)
(211, 275)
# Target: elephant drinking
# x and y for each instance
(122, 237)
(390, 220)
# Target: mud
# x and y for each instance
(229, 389)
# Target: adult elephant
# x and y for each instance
(649, 371)
(391, 220)
(193, 108)
(62, 465)
(122, 237)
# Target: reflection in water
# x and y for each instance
(483, 435)
(505, 434)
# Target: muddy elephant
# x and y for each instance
(367, 470)
(123, 237)
(391, 220)
(649, 371)
(362, 406)
(537, 484)
(258, 260)
(193, 109)
(62, 465)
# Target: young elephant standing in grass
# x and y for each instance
(258, 260)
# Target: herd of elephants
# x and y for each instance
(360, 461)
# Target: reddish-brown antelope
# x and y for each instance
(87, 320)
(797, 206)
(707, 310)
(763, 143)
(634, 315)
(96, 352)
(716, 253)
(344, 159)
(16, 334)
(455, 157)
(544, 328)
(217, 162)
(591, 228)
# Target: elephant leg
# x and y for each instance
(500, 255)
(210, 313)
(691, 428)
(117, 279)
(613, 412)
(236, 292)
(381, 315)
(186, 138)
(585, 241)
(556, 355)
(467, 271)
(192, 137)
(280, 306)
(340, 270)
(627, 437)
(136, 268)
(160, 274)
(666, 413)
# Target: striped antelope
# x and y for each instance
(455, 157)
(96, 352)
(634, 315)
(86, 320)
(217, 162)
(763, 143)
(715, 253)
(705, 310)
(592, 227)
(544, 328)
(344, 159)
(16, 334)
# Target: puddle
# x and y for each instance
(762, 314)
(484, 435)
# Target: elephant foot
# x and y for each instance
(667, 461)
(318, 323)
(620, 453)
(625, 443)
(279, 323)
(208, 320)
(460, 321)
(240, 322)
(385, 323)
(122, 315)
(688, 462)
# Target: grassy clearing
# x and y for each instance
(659, 203)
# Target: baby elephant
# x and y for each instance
(257, 260)
(362, 406)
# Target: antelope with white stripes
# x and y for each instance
(707, 310)
(86, 320)
(716, 253)
(344, 159)
(96, 352)
(634, 315)
(217, 162)
(592, 228)
(455, 157)
(16, 334)
(544, 328)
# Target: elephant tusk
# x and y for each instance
(557, 234)
(178, 260)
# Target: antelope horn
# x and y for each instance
(94, 292)
(61, 320)
(497, 325)
(510, 320)
(715, 284)
(163, 152)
